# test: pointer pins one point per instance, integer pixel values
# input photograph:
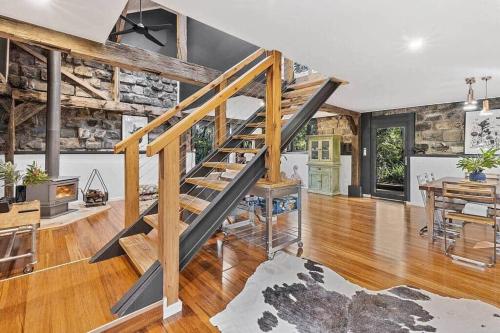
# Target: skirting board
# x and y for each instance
(170, 310)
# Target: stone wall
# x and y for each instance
(335, 125)
(439, 127)
(83, 129)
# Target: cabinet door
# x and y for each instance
(315, 180)
(335, 181)
(314, 151)
(326, 181)
(326, 153)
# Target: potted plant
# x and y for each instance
(10, 177)
(477, 164)
(33, 177)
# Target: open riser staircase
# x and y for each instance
(210, 191)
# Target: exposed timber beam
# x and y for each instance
(120, 24)
(5, 89)
(181, 37)
(124, 56)
(355, 151)
(85, 85)
(338, 110)
(25, 111)
(91, 103)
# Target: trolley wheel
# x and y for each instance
(28, 268)
(300, 244)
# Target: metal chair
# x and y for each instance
(482, 194)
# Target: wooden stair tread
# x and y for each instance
(193, 204)
(250, 136)
(224, 166)
(262, 124)
(306, 92)
(239, 150)
(213, 184)
(141, 251)
(152, 220)
(284, 112)
(306, 84)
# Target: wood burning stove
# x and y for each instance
(54, 195)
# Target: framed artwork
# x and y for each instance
(131, 124)
(481, 131)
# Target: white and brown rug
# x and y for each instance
(290, 294)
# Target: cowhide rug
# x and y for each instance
(290, 294)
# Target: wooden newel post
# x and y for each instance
(273, 119)
(168, 225)
(131, 184)
(220, 118)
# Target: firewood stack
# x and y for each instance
(95, 197)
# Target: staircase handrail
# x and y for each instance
(175, 131)
(155, 123)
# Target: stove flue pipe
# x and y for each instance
(53, 131)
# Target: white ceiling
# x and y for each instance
(90, 19)
(365, 42)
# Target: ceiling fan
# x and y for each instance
(142, 29)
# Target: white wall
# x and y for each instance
(110, 165)
(288, 160)
(440, 166)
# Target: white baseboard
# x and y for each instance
(170, 310)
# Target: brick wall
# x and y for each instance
(83, 129)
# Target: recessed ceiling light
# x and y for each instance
(416, 44)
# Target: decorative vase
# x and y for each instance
(477, 176)
(20, 193)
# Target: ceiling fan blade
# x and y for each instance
(159, 27)
(153, 39)
(127, 20)
(123, 32)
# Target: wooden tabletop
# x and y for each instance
(16, 216)
(437, 185)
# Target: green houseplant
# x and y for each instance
(477, 164)
(10, 176)
(34, 175)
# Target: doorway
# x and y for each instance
(391, 143)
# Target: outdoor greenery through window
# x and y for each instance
(390, 156)
(299, 143)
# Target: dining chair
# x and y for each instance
(483, 211)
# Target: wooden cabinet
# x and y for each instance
(324, 164)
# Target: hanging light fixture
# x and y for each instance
(486, 103)
(470, 102)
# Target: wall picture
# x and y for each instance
(131, 124)
(481, 131)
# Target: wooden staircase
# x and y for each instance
(190, 209)
(141, 249)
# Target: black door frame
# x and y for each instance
(407, 121)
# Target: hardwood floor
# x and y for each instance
(372, 243)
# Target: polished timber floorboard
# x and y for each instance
(372, 243)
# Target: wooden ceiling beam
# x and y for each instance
(91, 103)
(81, 82)
(114, 54)
(338, 110)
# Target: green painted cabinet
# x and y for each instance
(324, 164)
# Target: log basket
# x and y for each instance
(95, 197)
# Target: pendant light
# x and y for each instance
(470, 102)
(486, 103)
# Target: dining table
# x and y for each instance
(434, 189)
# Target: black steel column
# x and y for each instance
(53, 132)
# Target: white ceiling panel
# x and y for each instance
(367, 43)
(90, 19)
